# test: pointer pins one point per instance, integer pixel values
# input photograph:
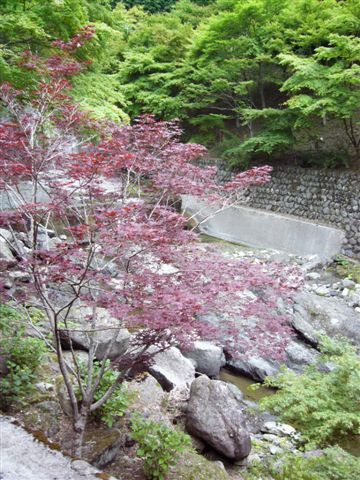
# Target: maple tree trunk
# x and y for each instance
(79, 426)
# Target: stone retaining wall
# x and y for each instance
(331, 197)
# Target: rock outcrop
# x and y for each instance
(316, 315)
(24, 458)
(81, 332)
(5, 243)
(297, 356)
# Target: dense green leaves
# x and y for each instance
(34, 26)
(277, 75)
(256, 79)
(325, 407)
(326, 85)
(151, 6)
(333, 464)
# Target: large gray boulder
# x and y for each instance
(297, 356)
(6, 235)
(315, 315)
(81, 332)
(5, 252)
(254, 367)
(171, 369)
(206, 357)
(215, 415)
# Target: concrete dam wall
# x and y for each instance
(330, 197)
(263, 229)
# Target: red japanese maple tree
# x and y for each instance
(110, 194)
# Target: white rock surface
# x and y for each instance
(171, 369)
(282, 429)
(24, 458)
(5, 252)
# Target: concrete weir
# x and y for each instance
(263, 229)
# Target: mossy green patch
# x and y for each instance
(192, 466)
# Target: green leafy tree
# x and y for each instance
(33, 25)
(237, 73)
(326, 85)
(152, 6)
(152, 71)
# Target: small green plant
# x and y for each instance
(118, 403)
(347, 268)
(342, 261)
(22, 357)
(323, 406)
(158, 446)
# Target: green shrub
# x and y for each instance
(325, 407)
(22, 355)
(159, 446)
(333, 464)
(151, 6)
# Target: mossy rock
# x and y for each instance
(45, 417)
(192, 466)
(102, 445)
(346, 268)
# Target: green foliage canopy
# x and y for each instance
(270, 72)
(257, 78)
(34, 24)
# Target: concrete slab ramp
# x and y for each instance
(24, 458)
(263, 229)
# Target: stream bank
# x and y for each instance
(114, 450)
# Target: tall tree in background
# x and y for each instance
(326, 86)
(33, 25)
(229, 69)
(227, 77)
(152, 6)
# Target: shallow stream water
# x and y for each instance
(244, 385)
